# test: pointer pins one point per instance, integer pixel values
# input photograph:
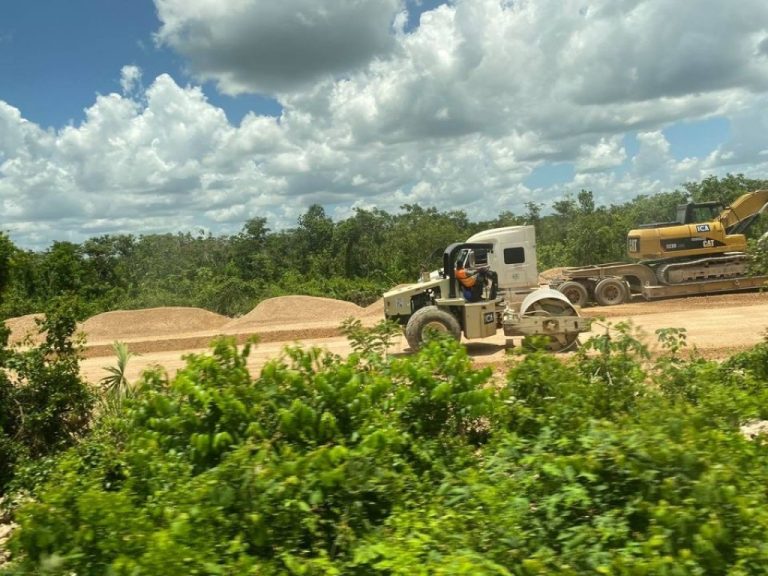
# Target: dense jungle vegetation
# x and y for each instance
(353, 259)
(610, 461)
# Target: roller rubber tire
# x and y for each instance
(430, 318)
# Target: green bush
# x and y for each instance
(608, 462)
(45, 406)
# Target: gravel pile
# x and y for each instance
(548, 275)
(152, 322)
(295, 311)
(285, 318)
(24, 326)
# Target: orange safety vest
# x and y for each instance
(468, 280)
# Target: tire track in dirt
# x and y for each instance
(717, 326)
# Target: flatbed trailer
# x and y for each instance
(618, 282)
(706, 287)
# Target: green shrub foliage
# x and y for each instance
(609, 462)
(44, 404)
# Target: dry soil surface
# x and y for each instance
(717, 326)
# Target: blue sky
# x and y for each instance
(61, 53)
(57, 54)
(120, 116)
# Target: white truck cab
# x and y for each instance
(513, 257)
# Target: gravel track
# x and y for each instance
(717, 326)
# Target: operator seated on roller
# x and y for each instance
(472, 281)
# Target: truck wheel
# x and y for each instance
(430, 319)
(611, 291)
(576, 292)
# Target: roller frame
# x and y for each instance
(561, 322)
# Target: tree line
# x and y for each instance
(353, 259)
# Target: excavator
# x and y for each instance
(702, 252)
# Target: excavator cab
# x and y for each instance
(690, 213)
(694, 212)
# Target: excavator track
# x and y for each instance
(727, 266)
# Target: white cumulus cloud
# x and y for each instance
(267, 46)
(464, 111)
(130, 78)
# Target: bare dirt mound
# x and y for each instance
(375, 310)
(282, 319)
(23, 326)
(150, 322)
(548, 275)
(295, 310)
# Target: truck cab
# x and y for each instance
(512, 257)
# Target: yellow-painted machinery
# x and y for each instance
(702, 252)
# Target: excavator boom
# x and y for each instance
(740, 215)
(690, 238)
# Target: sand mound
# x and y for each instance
(24, 326)
(126, 324)
(374, 310)
(548, 275)
(285, 310)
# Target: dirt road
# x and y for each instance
(717, 326)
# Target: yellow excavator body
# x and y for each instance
(690, 239)
(683, 241)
